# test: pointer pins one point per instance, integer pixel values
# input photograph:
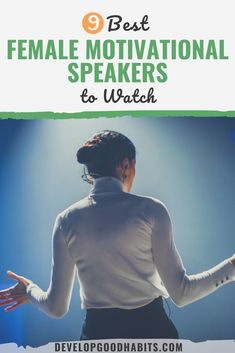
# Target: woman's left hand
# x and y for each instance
(15, 295)
(233, 259)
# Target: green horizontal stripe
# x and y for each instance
(111, 114)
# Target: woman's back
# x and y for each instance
(109, 237)
(123, 250)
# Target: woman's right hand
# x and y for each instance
(16, 295)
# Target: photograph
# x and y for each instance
(117, 228)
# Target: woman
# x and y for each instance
(122, 248)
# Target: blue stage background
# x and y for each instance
(188, 163)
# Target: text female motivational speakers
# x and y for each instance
(122, 248)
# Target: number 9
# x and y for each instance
(93, 22)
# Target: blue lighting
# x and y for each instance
(188, 163)
(233, 135)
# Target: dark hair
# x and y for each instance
(103, 152)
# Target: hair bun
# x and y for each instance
(85, 154)
(104, 151)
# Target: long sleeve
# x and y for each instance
(182, 288)
(55, 301)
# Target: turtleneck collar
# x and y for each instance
(106, 185)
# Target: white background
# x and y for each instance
(43, 85)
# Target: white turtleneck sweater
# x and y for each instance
(122, 249)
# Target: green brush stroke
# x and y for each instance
(111, 114)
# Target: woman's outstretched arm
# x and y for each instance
(55, 301)
(183, 288)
